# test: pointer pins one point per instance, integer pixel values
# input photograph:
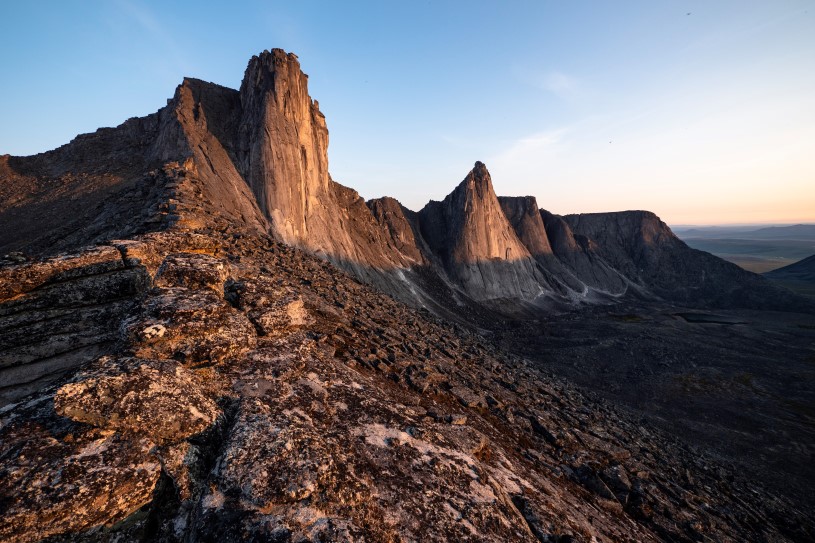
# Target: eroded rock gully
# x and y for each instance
(251, 392)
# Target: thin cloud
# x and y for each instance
(142, 16)
(531, 148)
(558, 83)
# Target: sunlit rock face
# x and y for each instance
(282, 152)
(284, 146)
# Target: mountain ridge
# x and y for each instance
(261, 154)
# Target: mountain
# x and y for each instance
(799, 276)
(804, 232)
(261, 154)
(803, 270)
(202, 338)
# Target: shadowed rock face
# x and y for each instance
(524, 216)
(401, 227)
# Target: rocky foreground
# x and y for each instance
(243, 390)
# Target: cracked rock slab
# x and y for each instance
(158, 399)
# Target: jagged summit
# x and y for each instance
(480, 181)
(472, 237)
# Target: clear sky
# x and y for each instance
(701, 111)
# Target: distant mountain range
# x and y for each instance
(792, 232)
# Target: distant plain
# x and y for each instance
(758, 249)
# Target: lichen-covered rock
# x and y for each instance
(70, 483)
(272, 309)
(22, 278)
(192, 270)
(158, 399)
(151, 249)
(192, 326)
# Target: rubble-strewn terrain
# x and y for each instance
(736, 382)
(254, 392)
(184, 360)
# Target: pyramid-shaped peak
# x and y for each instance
(479, 181)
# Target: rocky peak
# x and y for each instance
(283, 140)
(524, 215)
(470, 234)
(278, 73)
(479, 181)
(283, 156)
(469, 222)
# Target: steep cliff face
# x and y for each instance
(473, 239)
(282, 153)
(283, 150)
(205, 121)
(578, 255)
(527, 220)
(402, 232)
(524, 216)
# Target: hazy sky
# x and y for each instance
(703, 112)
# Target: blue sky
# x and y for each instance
(703, 112)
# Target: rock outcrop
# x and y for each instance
(57, 314)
